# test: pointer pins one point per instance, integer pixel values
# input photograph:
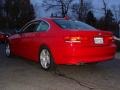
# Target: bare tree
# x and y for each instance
(105, 6)
(81, 9)
(59, 6)
(116, 12)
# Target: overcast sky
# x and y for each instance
(96, 3)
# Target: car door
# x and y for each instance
(27, 39)
(16, 41)
(39, 38)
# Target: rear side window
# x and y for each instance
(70, 24)
(43, 26)
(31, 27)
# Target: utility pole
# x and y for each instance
(81, 10)
(81, 3)
(105, 7)
(119, 30)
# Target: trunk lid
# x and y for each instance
(93, 38)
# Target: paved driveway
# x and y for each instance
(20, 74)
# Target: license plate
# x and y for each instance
(98, 40)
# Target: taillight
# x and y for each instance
(72, 39)
(111, 38)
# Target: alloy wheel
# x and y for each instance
(45, 59)
(7, 50)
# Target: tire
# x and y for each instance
(7, 50)
(45, 58)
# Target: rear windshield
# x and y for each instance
(70, 24)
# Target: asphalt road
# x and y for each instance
(20, 74)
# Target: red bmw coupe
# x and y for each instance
(51, 41)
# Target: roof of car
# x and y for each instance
(46, 19)
(37, 19)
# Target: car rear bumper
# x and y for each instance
(78, 55)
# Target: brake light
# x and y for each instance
(72, 39)
(111, 38)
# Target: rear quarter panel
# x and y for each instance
(53, 39)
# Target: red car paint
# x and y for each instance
(66, 46)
